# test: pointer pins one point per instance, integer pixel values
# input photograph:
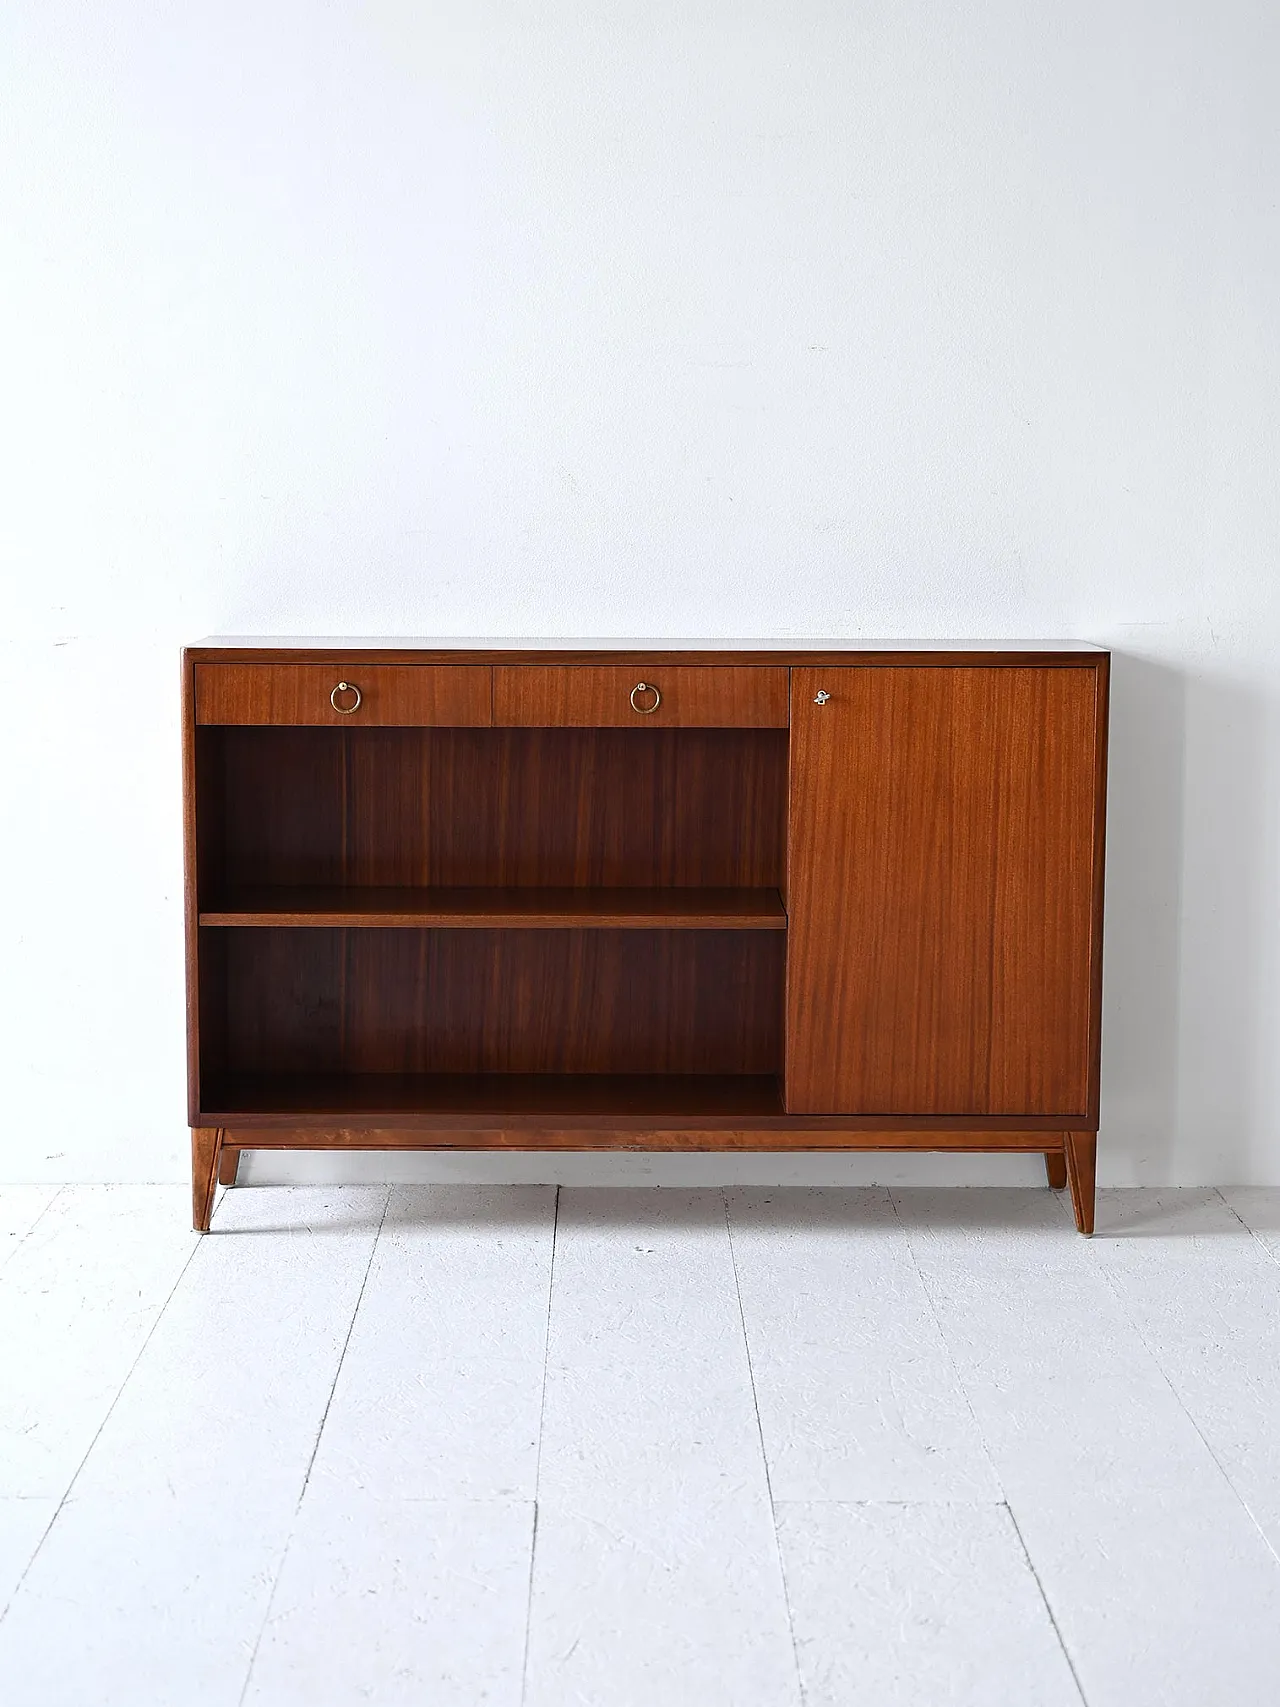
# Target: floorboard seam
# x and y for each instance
(1204, 1440)
(1046, 1603)
(1271, 1256)
(945, 1343)
(9, 1256)
(764, 1456)
(324, 1417)
(537, 1463)
(128, 1375)
(981, 1435)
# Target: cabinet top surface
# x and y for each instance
(225, 647)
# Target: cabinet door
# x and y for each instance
(941, 890)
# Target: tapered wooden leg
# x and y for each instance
(1082, 1156)
(1055, 1165)
(206, 1142)
(229, 1165)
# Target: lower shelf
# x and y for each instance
(505, 1097)
(528, 1110)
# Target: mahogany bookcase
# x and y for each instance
(644, 897)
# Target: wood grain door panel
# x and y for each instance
(941, 889)
(389, 695)
(600, 696)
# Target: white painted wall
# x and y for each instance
(726, 317)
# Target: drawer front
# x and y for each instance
(708, 696)
(375, 695)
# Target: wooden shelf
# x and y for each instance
(506, 1098)
(505, 908)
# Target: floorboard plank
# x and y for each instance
(400, 1602)
(656, 1574)
(441, 1387)
(1149, 1562)
(858, 1396)
(22, 1526)
(1259, 1208)
(230, 1395)
(894, 1606)
(144, 1602)
(1162, 1601)
(77, 1301)
(155, 1578)
(21, 1206)
(1061, 1385)
(1205, 1296)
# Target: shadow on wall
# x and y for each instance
(1140, 947)
(1186, 835)
(1228, 921)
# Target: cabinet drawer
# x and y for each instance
(374, 694)
(708, 696)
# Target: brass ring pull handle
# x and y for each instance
(345, 687)
(645, 687)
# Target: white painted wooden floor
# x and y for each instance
(761, 1448)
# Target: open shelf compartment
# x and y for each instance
(498, 1098)
(399, 921)
(363, 1011)
(290, 809)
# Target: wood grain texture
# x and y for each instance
(201, 822)
(586, 695)
(1082, 1160)
(211, 978)
(206, 1142)
(228, 1165)
(1055, 1167)
(546, 808)
(1102, 719)
(506, 908)
(458, 1122)
(941, 891)
(481, 1001)
(418, 694)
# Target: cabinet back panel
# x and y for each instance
(477, 1001)
(557, 807)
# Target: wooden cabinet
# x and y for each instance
(668, 900)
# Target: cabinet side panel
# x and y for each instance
(190, 836)
(941, 890)
(1103, 731)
